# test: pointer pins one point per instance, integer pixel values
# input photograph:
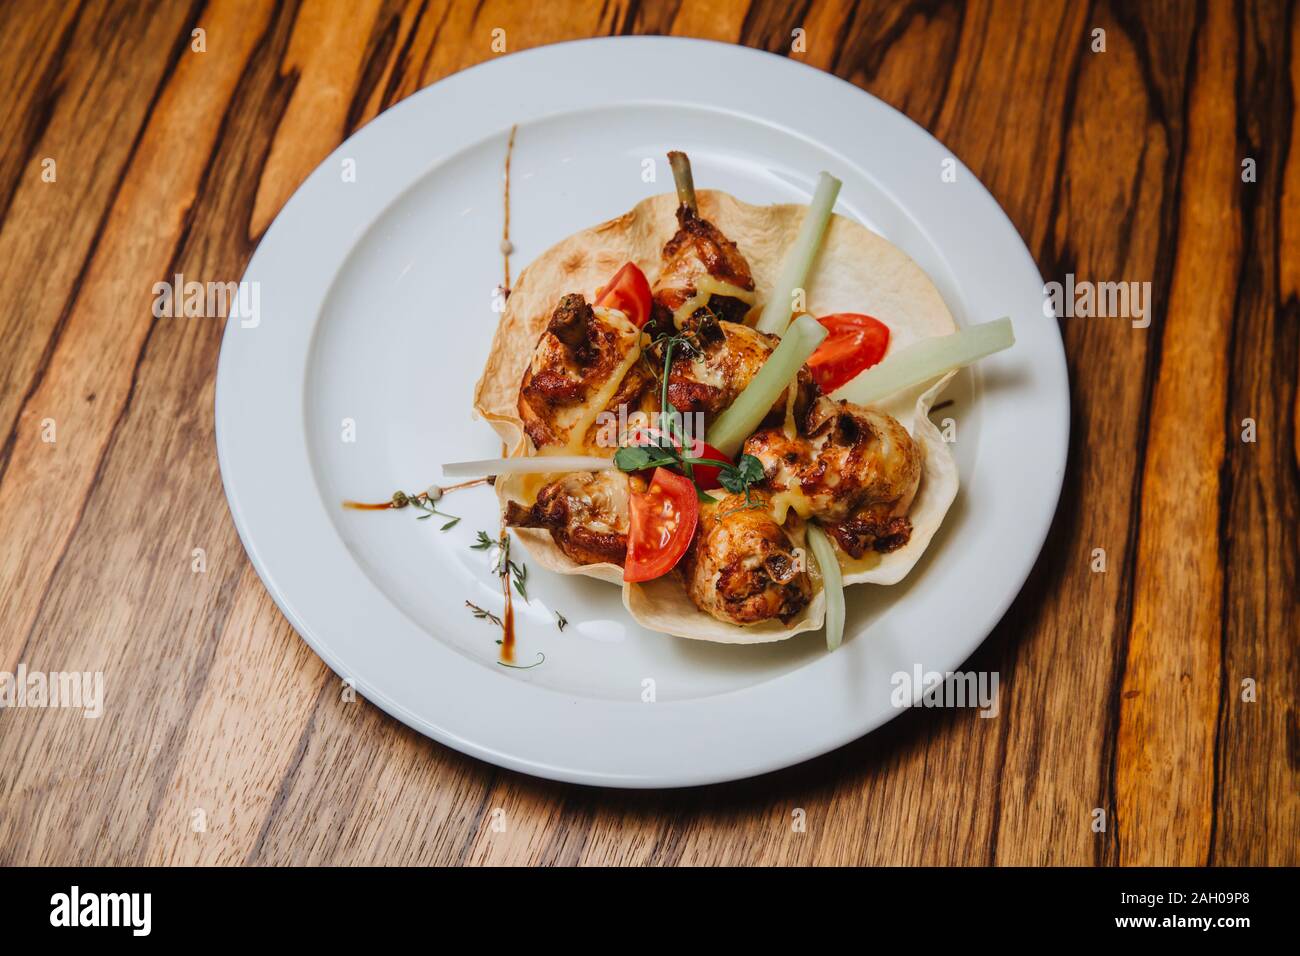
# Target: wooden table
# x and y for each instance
(224, 738)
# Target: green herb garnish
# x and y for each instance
(483, 615)
(739, 477)
(520, 572)
(541, 659)
(423, 502)
(665, 452)
(503, 564)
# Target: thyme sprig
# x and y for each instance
(482, 614)
(424, 502)
(502, 563)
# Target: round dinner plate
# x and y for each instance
(375, 311)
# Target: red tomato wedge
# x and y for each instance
(662, 524)
(855, 343)
(629, 292)
(706, 476)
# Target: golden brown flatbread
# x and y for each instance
(856, 271)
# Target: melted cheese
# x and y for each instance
(705, 287)
(577, 443)
(782, 502)
(850, 565)
(707, 374)
(585, 416)
(528, 486)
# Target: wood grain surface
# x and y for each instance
(1127, 690)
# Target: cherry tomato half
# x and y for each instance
(706, 476)
(662, 524)
(629, 292)
(856, 342)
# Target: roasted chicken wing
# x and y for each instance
(586, 513)
(707, 378)
(581, 355)
(854, 469)
(743, 567)
(703, 272)
(703, 267)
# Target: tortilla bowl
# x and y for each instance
(856, 271)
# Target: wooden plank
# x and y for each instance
(1170, 699)
(1257, 752)
(113, 592)
(1109, 225)
(325, 57)
(709, 19)
(242, 738)
(63, 109)
(34, 38)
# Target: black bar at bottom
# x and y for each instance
(331, 905)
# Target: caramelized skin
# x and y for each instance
(577, 354)
(742, 567)
(580, 350)
(858, 468)
(709, 378)
(586, 513)
(698, 249)
(872, 528)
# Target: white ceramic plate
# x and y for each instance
(376, 308)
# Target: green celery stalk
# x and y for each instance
(781, 368)
(799, 259)
(832, 584)
(927, 359)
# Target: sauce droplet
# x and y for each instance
(366, 506)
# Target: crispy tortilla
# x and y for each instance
(856, 271)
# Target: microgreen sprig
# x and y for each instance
(737, 477)
(666, 343)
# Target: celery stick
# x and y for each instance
(832, 584)
(927, 359)
(799, 259)
(781, 368)
(538, 465)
